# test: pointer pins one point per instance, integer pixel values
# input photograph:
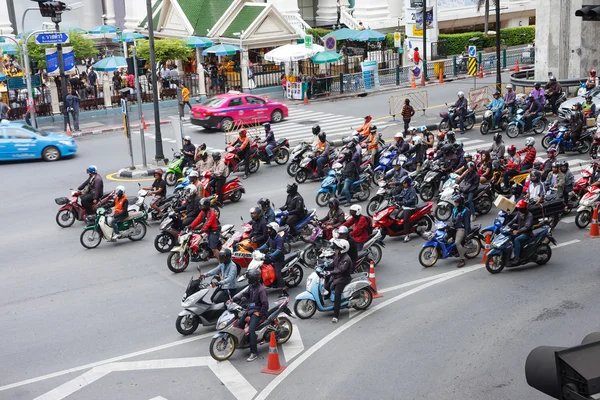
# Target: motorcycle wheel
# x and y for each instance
(177, 263)
(282, 157)
(546, 142)
(473, 247)
(484, 128)
(305, 309)
(65, 218)
(543, 254)
(294, 277)
(379, 175)
(375, 253)
(494, 264)
(171, 179)
(235, 196)
(365, 298)
(443, 126)
(323, 198)
(373, 206)
(585, 147)
(483, 206)
(583, 219)
(164, 242)
(428, 256)
(540, 126)
(301, 176)
(292, 169)
(424, 225)
(427, 192)
(284, 331)
(139, 231)
(512, 131)
(254, 165)
(221, 348)
(443, 212)
(309, 256)
(91, 238)
(469, 123)
(364, 194)
(187, 324)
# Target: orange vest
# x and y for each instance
(365, 130)
(119, 204)
(372, 145)
(321, 146)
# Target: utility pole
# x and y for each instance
(138, 90)
(159, 157)
(63, 78)
(425, 39)
(498, 75)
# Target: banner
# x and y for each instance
(52, 60)
(428, 18)
(69, 59)
(370, 72)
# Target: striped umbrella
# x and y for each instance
(222, 50)
(109, 64)
(103, 29)
(198, 42)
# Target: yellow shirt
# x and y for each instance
(185, 93)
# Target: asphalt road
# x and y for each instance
(436, 333)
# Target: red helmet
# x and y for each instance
(592, 72)
(243, 132)
(441, 136)
(521, 204)
(512, 148)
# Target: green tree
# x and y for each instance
(83, 48)
(165, 49)
(486, 20)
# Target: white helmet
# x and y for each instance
(274, 226)
(120, 188)
(194, 174)
(461, 94)
(337, 166)
(417, 140)
(356, 207)
(340, 244)
(399, 135)
(509, 86)
(190, 190)
(188, 138)
(529, 141)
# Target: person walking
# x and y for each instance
(93, 79)
(73, 109)
(4, 110)
(185, 96)
(407, 113)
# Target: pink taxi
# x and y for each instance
(234, 108)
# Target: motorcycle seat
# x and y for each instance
(289, 257)
(481, 188)
(362, 253)
(280, 142)
(231, 180)
(132, 215)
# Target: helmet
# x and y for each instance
(187, 138)
(516, 189)
(399, 135)
(551, 151)
(511, 149)
(292, 188)
(556, 164)
(592, 71)
(373, 129)
(216, 156)
(322, 136)
(535, 175)
(421, 129)
(397, 162)
(461, 94)
(274, 226)
(537, 85)
(316, 130)
(588, 96)
(158, 172)
(255, 213)
(496, 93)
(242, 132)
(468, 155)
(470, 164)
(203, 154)
(530, 95)
(459, 199)
(264, 203)
(252, 276)
(460, 145)
(267, 125)
(447, 149)
(91, 169)
(193, 174)
(406, 179)
(451, 136)
(576, 106)
(120, 190)
(368, 118)
(340, 244)
(509, 86)
(190, 191)
(441, 136)
(529, 142)
(552, 79)
(521, 204)
(356, 208)
(225, 255)
(343, 230)
(417, 140)
(334, 203)
(564, 164)
(205, 204)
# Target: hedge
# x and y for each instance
(318, 32)
(508, 36)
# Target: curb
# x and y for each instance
(137, 173)
(114, 129)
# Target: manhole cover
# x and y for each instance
(307, 122)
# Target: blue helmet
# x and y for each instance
(406, 179)
(421, 129)
(92, 169)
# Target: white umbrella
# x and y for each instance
(292, 52)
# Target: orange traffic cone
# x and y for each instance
(486, 248)
(480, 76)
(305, 98)
(144, 123)
(273, 365)
(69, 130)
(441, 76)
(594, 232)
(517, 66)
(413, 82)
(373, 280)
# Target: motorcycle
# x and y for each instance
(492, 230)
(563, 144)
(482, 199)
(595, 150)
(308, 167)
(383, 198)
(391, 222)
(449, 119)
(98, 228)
(71, 209)
(385, 163)
(561, 99)
(202, 303)
(333, 183)
(281, 152)
(441, 245)
(174, 170)
(536, 249)
(230, 337)
(232, 189)
(303, 228)
(168, 235)
(497, 182)
(516, 127)
(234, 164)
(431, 182)
(297, 155)
(292, 271)
(587, 204)
(553, 130)
(489, 122)
(193, 247)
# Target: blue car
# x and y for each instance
(19, 141)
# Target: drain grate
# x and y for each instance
(307, 122)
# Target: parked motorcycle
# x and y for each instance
(536, 249)
(441, 245)
(71, 209)
(193, 246)
(174, 170)
(489, 122)
(281, 152)
(450, 120)
(230, 337)
(292, 271)
(332, 187)
(391, 222)
(235, 164)
(98, 228)
(587, 204)
(297, 155)
(516, 127)
(563, 144)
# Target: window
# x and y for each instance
(33, 130)
(255, 101)
(214, 102)
(13, 133)
(236, 102)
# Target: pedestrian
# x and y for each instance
(361, 27)
(416, 56)
(116, 80)
(75, 82)
(185, 96)
(93, 78)
(339, 11)
(174, 77)
(214, 77)
(73, 109)
(4, 110)
(407, 113)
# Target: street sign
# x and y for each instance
(308, 42)
(397, 39)
(330, 43)
(16, 83)
(52, 38)
(472, 51)
(472, 66)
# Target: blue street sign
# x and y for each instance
(52, 38)
(472, 51)
(17, 82)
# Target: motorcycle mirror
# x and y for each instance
(242, 218)
(198, 268)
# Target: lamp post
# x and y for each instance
(159, 156)
(498, 74)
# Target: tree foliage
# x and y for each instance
(165, 49)
(82, 46)
(508, 36)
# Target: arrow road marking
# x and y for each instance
(294, 346)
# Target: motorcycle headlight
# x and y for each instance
(309, 282)
(191, 300)
(224, 320)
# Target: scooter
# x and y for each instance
(553, 130)
(391, 222)
(450, 120)
(537, 249)
(203, 303)
(494, 229)
(98, 228)
(489, 122)
(385, 163)
(482, 199)
(230, 337)
(292, 271)
(562, 97)
(281, 152)
(382, 199)
(516, 127)
(588, 202)
(168, 235)
(307, 170)
(441, 245)
(431, 182)
(174, 170)
(234, 164)
(332, 184)
(71, 209)
(303, 228)
(232, 189)
(563, 145)
(297, 155)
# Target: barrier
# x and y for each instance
(480, 97)
(251, 124)
(419, 100)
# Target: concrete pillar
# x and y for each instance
(5, 25)
(109, 11)
(200, 70)
(326, 12)
(285, 6)
(134, 14)
(54, 96)
(106, 89)
(371, 11)
(244, 71)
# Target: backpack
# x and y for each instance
(369, 224)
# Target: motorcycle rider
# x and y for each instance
(270, 140)
(340, 276)
(497, 149)
(199, 150)
(294, 205)
(396, 175)
(536, 190)
(497, 106)
(322, 150)
(242, 144)
(205, 163)
(427, 136)
(539, 94)
(92, 190)
(360, 232)
(554, 92)
(191, 207)
(316, 129)
(547, 168)
(120, 211)
(258, 306)
(532, 111)
(461, 219)
(365, 129)
(521, 225)
(258, 234)
(510, 98)
(461, 110)
(335, 217)
(516, 192)
(592, 80)
(486, 168)
(210, 225)
(530, 153)
(419, 153)
(350, 174)
(158, 190)
(399, 145)
(194, 178)
(268, 213)
(189, 151)
(556, 179)
(569, 180)
(588, 107)
(409, 198)
(449, 160)
(228, 272)
(218, 176)
(356, 150)
(344, 233)
(373, 145)
(575, 128)
(469, 183)
(577, 110)
(513, 165)
(275, 254)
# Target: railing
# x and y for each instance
(297, 22)
(347, 19)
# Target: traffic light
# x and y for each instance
(51, 9)
(589, 13)
(141, 63)
(33, 67)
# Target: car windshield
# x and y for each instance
(595, 92)
(33, 130)
(214, 102)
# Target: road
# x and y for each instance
(100, 323)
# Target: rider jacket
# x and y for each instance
(535, 107)
(96, 186)
(334, 218)
(401, 148)
(409, 197)
(211, 223)
(269, 215)
(496, 104)
(530, 153)
(228, 275)
(470, 182)
(350, 171)
(461, 218)
(270, 138)
(121, 205)
(359, 232)
(257, 299)
(509, 98)
(191, 207)
(575, 126)
(259, 232)
(342, 269)
(497, 150)
(243, 142)
(275, 247)
(294, 205)
(522, 222)
(461, 106)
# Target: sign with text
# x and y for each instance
(397, 39)
(370, 70)
(428, 18)
(52, 60)
(17, 82)
(52, 38)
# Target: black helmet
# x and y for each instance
(267, 125)
(538, 85)
(216, 156)
(316, 130)
(347, 154)
(447, 149)
(459, 199)
(252, 276)
(334, 203)
(516, 190)
(292, 188)
(535, 175)
(255, 213)
(577, 106)
(556, 164)
(264, 203)
(373, 129)
(203, 147)
(225, 256)
(451, 136)
(565, 164)
(322, 136)
(205, 203)
(497, 137)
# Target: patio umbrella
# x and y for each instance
(324, 57)
(109, 64)
(128, 37)
(292, 52)
(198, 42)
(103, 29)
(222, 50)
(74, 29)
(368, 35)
(9, 49)
(342, 34)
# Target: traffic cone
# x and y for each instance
(480, 76)
(517, 66)
(305, 98)
(486, 248)
(441, 76)
(144, 123)
(373, 280)
(413, 83)
(594, 232)
(273, 365)
(69, 130)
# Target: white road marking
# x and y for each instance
(294, 346)
(158, 398)
(568, 220)
(567, 243)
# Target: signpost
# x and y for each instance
(125, 111)
(330, 43)
(472, 51)
(52, 38)
(308, 42)
(472, 68)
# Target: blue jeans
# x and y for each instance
(254, 320)
(497, 116)
(471, 203)
(116, 219)
(346, 190)
(461, 121)
(508, 175)
(269, 150)
(320, 162)
(519, 241)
